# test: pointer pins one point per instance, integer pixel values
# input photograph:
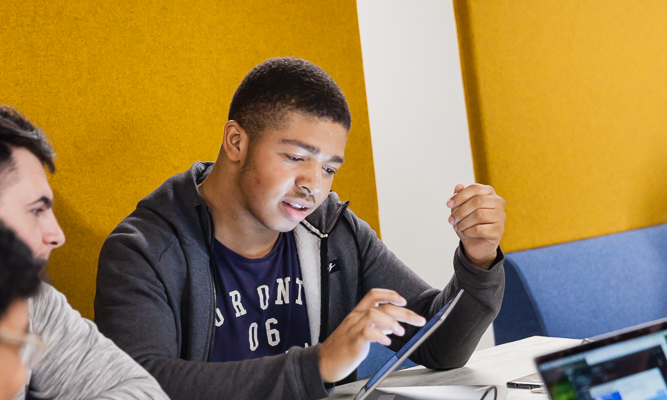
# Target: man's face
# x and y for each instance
(12, 370)
(25, 205)
(288, 172)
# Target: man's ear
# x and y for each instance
(235, 141)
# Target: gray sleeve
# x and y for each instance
(454, 342)
(80, 362)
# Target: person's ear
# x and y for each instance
(235, 142)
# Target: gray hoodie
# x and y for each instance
(156, 297)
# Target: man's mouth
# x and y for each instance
(296, 211)
(297, 206)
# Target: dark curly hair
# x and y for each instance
(287, 84)
(17, 131)
(19, 271)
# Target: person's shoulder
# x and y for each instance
(49, 307)
(142, 229)
(46, 294)
(173, 210)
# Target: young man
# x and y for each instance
(80, 362)
(19, 279)
(249, 279)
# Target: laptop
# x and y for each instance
(408, 348)
(626, 365)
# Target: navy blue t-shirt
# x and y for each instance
(261, 308)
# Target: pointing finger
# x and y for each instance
(380, 296)
(403, 314)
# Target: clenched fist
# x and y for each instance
(478, 217)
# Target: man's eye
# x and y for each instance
(293, 158)
(330, 171)
(37, 211)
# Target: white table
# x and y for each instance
(492, 366)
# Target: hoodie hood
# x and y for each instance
(179, 203)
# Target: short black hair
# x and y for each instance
(287, 84)
(17, 131)
(19, 271)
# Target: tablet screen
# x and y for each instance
(409, 347)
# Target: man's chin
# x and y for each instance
(43, 258)
(285, 225)
(288, 227)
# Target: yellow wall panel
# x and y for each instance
(567, 106)
(132, 92)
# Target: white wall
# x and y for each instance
(419, 128)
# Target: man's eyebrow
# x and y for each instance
(48, 203)
(310, 149)
(305, 146)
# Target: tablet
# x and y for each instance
(408, 348)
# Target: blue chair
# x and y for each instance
(585, 288)
(377, 357)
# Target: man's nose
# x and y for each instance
(310, 179)
(52, 234)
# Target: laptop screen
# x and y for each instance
(628, 366)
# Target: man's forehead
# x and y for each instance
(312, 131)
(8, 177)
(27, 178)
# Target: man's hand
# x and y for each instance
(376, 316)
(478, 216)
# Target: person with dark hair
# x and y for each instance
(17, 131)
(19, 280)
(80, 362)
(248, 278)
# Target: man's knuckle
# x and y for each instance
(475, 230)
(384, 308)
(367, 332)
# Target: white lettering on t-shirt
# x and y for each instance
(283, 291)
(272, 334)
(263, 292)
(252, 336)
(236, 302)
(298, 298)
(219, 319)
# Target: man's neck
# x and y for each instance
(233, 224)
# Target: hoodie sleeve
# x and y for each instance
(80, 363)
(144, 303)
(454, 342)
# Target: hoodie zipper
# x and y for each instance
(210, 272)
(209, 242)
